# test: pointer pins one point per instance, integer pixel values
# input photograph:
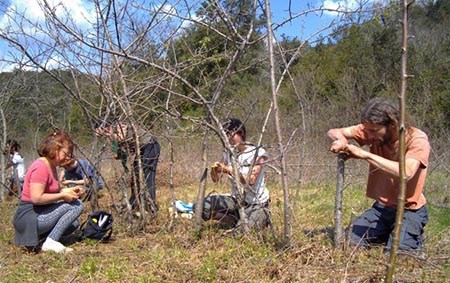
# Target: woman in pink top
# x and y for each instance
(44, 209)
(379, 130)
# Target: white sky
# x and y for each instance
(79, 9)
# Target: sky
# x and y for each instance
(302, 27)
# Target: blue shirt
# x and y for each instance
(83, 170)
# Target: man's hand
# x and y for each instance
(218, 168)
(356, 152)
(339, 145)
(215, 172)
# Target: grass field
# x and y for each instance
(171, 251)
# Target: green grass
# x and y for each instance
(177, 255)
(438, 227)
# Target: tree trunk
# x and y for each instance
(338, 226)
(287, 208)
(402, 129)
(2, 158)
(202, 183)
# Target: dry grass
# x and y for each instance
(174, 253)
(170, 251)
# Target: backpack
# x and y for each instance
(98, 226)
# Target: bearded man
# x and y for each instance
(379, 130)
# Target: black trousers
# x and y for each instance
(149, 158)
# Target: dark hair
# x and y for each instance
(13, 146)
(54, 142)
(235, 126)
(380, 111)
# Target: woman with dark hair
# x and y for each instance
(44, 209)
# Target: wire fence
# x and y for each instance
(309, 166)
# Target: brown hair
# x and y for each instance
(382, 111)
(54, 142)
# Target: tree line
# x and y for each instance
(359, 60)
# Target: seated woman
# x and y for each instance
(44, 209)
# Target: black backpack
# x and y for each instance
(98, 226)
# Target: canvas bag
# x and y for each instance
(98, 226)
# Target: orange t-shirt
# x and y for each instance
(384, 187)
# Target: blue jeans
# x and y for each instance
(376, 225)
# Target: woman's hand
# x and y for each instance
(79, 191)
(72, 194)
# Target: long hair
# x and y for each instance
(380, 111)
(54, 142)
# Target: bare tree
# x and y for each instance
(127, 52)
(281, 146)
(402, 132)
(2, 156)
(119, 62)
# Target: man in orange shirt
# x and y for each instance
(379, 130)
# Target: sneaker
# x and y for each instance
(54, 246)
(183, 207)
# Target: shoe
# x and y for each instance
(183, 207)
(51, 245)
